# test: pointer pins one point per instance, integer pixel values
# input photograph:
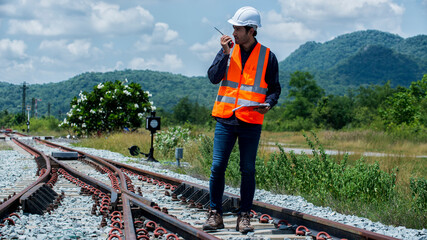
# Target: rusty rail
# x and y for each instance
(145, 205)
(13, 203)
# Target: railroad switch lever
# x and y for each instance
(152, 124)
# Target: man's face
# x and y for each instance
(241, 36)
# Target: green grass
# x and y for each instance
(118, 142)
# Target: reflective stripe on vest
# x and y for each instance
(251, 88)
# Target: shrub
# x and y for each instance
(321, 177)
(166, 141)
(109, 107)
(418, 188)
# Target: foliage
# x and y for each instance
(372, 96)
(400, 108)
(282, 124)
(401, 111)
(333, 112)
(362, 57)
(109, 107)
(40, 125)
(304, 93)
(363, 182)
(166, 88)
(404, 107)
(318, 176)
(375, 63)
(418, 188)
(206, 153)
(186, 111)
(167, 140)
(7, 119)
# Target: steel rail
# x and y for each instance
(129, 198)
(88, 180)
(183, 229)
(313, 222)
(12, 204)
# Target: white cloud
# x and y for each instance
(82, 18)
(307, 20)
(47, 60)
(109, 45)
(8, 9)
(108, 18)
(289, 31)
(163, 33)
(161, 36)
(169, 62)
(320, 10)
(207, 51)
(119, 65)
(16, 67)
(35, 27)
(13, 49)
(53, 45)
(79, 48)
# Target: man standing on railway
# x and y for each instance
(249, 88)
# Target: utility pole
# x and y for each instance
(33, 105)
(36, 106)
(48, 109)
(24, 88)
(28, 120)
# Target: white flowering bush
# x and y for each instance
(166, 141)
(111, 106)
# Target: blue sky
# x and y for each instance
(45, 41)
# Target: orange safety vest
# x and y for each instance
(243, 86)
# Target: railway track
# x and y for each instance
(119, 201)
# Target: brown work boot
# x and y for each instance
(214, 221)
(244, 223)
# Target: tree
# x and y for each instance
(419, 88)
(406, 105)
(399, 108)
(109, 107)
(303, 95)
(372, 96)
(187, 111)
(333, 111)
(181, 111)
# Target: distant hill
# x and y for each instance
(167, 89)
(348, 61)
(360, 58)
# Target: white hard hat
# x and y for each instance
(246, 16)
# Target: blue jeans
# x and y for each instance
(225, 137)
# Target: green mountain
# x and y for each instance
(349, 60)
(360, 58)
(376, 63)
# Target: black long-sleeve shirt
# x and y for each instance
(218, 68)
